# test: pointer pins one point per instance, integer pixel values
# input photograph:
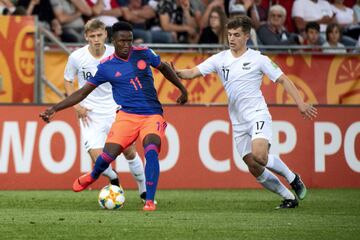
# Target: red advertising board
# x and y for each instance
(17, 59)
(198, 151)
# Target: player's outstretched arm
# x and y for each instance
(169, 74)
(73, 99)
(307, 110)
(186, 73)
(81, 111)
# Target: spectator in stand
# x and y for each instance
(356, 9)
(199, 9)
(158, 34)
(107, 11)
(239, 8)
(312, 37)
(45, 13)
(29, 5)
(333, 36)
(348, 3)
(57, 30)
(357, 46)
(258, 14)
(6, 7)
(345, 17)
(251, 8)
(305, 11)
(274, 32)
(139, 13)
(177, 18)
(289, 23)
(203, 13)
(287, 4)
(215, 32)
(69, 14)
(41, 8)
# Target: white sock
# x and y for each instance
(110, 173)
(276, 165)
(137, 170)
(272, 183)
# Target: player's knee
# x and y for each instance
(254, 168)
(260, 157)
(112, 149)
(251, 163)
(152, 139)
(130, 155)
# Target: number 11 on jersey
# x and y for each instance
(136, 82)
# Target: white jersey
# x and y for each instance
(242, 78)
(84, 65)
(312, 11)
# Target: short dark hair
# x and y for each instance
(121, 26)
(312, 25)
(242, 21)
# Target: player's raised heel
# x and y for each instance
(149, 206)
(82, 182)
(299, 187)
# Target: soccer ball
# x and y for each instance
(111, 197)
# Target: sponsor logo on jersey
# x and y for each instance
(117, 74)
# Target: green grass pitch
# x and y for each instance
(181, 214)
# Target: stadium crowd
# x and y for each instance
(328, 26)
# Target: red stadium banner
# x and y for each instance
(198, 152)
(321, 79)
(17, 59)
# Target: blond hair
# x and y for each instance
(94, 24)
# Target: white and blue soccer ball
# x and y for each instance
(111, 197)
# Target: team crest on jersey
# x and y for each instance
(141, 64)
(246, 66)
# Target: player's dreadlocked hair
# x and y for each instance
(121, 26)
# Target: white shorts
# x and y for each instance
(94, 135)
(260, 127)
